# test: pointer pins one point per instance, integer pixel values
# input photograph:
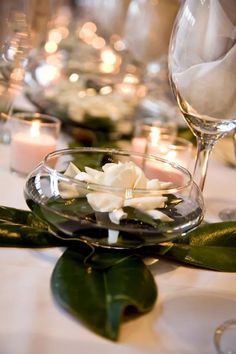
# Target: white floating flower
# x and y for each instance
(127, 176)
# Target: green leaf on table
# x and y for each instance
(21, 228)
(100, 297)
(222, 234)
(211, 246)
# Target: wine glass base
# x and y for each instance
(225, 337)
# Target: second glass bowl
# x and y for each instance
(114, 198)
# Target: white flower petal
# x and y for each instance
(140, 178)
(71, 170)
(156, 214)
(146, 203)
(92, 172)
(68, 191)
(84, 177)
(113, 236)
(123, 175)
(117, 215)
(104, 202)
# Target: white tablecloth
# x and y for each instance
(191, 302)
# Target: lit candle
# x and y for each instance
(168, 147)
(29, 146)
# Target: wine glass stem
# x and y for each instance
(204, 149)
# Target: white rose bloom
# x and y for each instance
(127, 176)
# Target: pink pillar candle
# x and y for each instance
(33, 136)
(28, 151)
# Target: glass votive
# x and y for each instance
(33, 135)
(149, 131)
(148, 125)
(157, 141)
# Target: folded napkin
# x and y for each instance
(204, 62)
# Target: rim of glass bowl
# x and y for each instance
(101, 187)
(28, 117)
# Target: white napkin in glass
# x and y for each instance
(205, 62)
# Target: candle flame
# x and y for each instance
(34, 130)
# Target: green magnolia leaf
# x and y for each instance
(103, 258)
(22, 217)
(23, 229)
(221, 234)
(16, 235)
(211, 257)
(84, 291)
(211, 246)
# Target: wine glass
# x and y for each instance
(202, 67)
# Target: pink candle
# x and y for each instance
(32, 138)
(28, 151)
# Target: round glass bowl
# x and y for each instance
(112, 198)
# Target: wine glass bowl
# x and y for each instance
(80, 209)
(202, 69)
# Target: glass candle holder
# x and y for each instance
(33, 135)
(121, 206)
(161, 140)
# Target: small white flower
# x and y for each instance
(127, 176)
